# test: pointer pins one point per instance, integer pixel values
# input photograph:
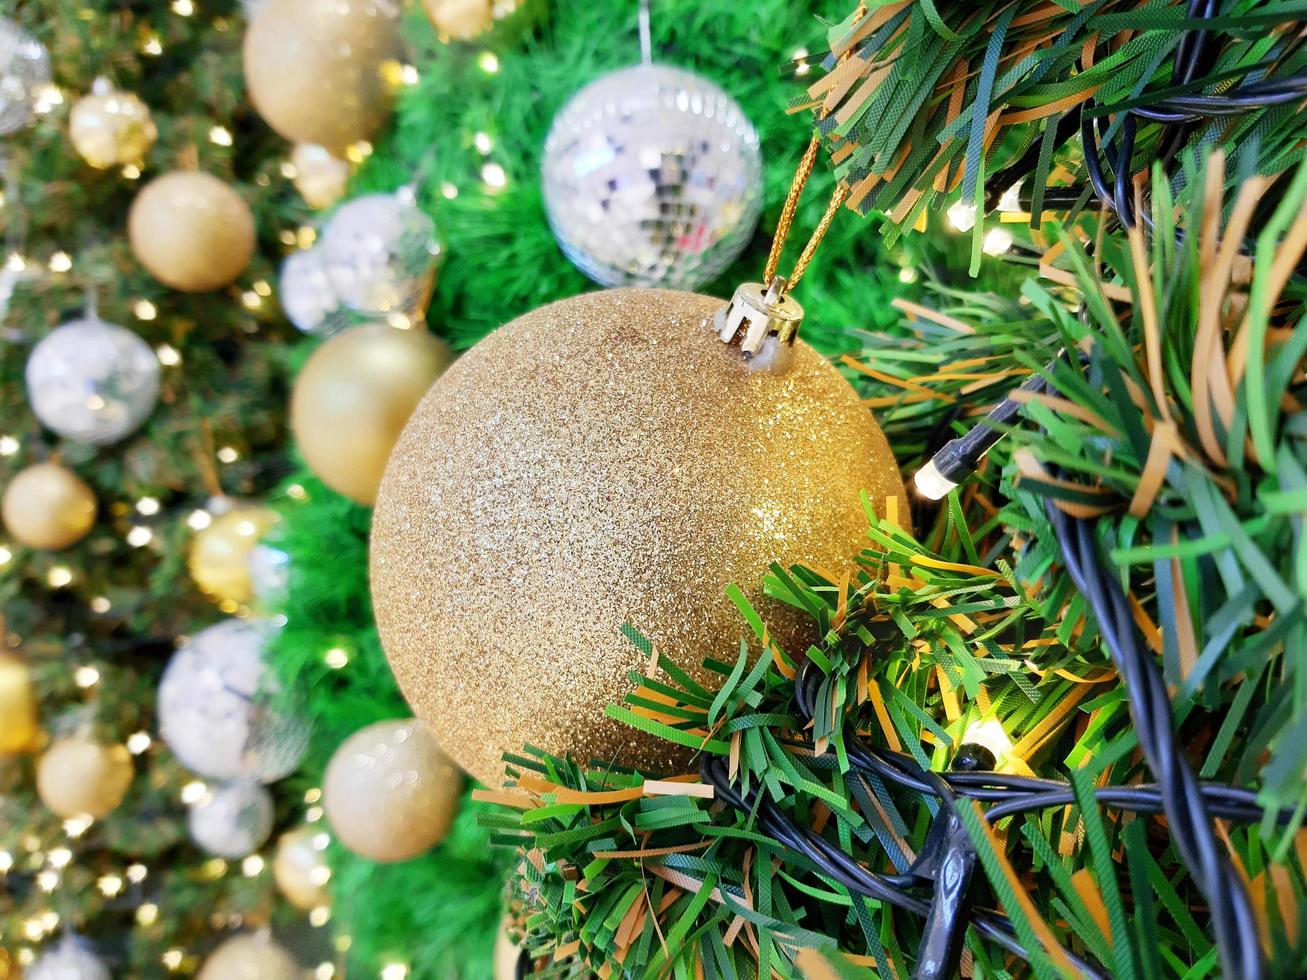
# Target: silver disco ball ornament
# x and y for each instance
(306, 294)
(232, 820)
(24, 71)
(72, 959)
(652, 177)
(92, 381)
(220, 708)
(380, 253)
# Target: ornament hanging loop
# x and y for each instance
(763, 321)
(769, 316)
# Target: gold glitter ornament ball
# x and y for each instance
(352, 398)
(389, 793)
(191, 231)
(600, 461)
(460, 20)
(250, 956)
(219, 559)
(18, 714)
(110, 128)
(315, 69)
(320, 176)
(77, 777)
(300, 867)
(48, 506)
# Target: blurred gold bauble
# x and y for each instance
(315, 68)
(250, 956)
(300, 869)
(220, 553)
(110, 128)
(389, 793)
(353, 397)
(605, 460)
(18, 718)
(460, 20)
(78, 777)
(191, 231)
(320, 177)
(48, 506)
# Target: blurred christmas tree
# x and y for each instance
(95, 595)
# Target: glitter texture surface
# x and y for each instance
(604, 460)
(389, 792)
(652, 176)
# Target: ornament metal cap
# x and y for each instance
(770, 320)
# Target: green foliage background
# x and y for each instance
(227, 390)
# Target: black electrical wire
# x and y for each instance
(1183, 801)
(1189, 805)
(1195, 54)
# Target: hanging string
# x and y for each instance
(646, 35)
(800, 180)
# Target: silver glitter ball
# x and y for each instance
(72, 959)
(92, 381)
(232, 820)
(306, 294)
(380, 253)
(24, 71)
(269, 574)
(221, 711)
(652, 177)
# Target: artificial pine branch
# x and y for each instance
(960, 102)
(929, 640)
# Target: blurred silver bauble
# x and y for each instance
(72, 959)
(24, 71)
(652, 177)
(380, 253)
(92, 381)
(232, 820)
(220, 708)
(306, 294)
(269, 575)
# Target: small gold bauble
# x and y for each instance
(80, 778)
(250, 956)
(191, 231)
(320, 177)
(300, 868)
(353, 397)
(110, 128)
(389, 793)
(460, 20)
(18, 718)
(315, 69)
(48, 506)
(602, 461)
(220, 553)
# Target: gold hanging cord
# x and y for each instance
(787, 219)
(792, 205)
